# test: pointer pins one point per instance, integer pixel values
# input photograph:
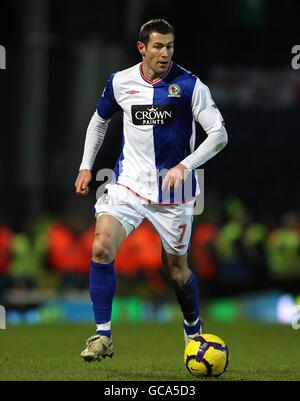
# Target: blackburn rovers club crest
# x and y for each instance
(174, 90)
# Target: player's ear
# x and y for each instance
(141, 48)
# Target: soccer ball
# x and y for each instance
(206, 355)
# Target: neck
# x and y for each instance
(150, 74)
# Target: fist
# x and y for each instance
(175, 177)
(82, 182)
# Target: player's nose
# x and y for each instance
(164, 52)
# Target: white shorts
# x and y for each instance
(172, 222)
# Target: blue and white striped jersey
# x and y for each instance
(159, 127)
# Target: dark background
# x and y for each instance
(60, 53)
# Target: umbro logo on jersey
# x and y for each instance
(132, 92)
(155, 114)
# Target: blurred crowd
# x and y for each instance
(230, 252)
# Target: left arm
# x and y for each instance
(208, 116)
(206, 113)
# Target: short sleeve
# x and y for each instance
(107, 104)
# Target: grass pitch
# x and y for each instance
(146, 352)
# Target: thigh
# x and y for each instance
(174, 225)
(122, 205)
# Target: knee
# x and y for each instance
(176, 269)
(173, 275)
(103, 249)
(177, 275)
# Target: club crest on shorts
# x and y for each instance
(174, 90)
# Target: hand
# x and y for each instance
(81, 184)
(175, 177)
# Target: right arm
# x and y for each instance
(94, 138)
(95, 134)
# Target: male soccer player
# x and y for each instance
(160, 102)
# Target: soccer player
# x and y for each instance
(154, 176)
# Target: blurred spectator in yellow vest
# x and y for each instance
(29, 248)
(254, 244)
(235, 274)
(283, 250)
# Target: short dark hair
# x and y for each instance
(155, 25)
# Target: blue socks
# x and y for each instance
(102, 290)
(188, 299)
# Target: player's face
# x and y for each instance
(157, 54)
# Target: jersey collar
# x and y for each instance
(156, 82)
